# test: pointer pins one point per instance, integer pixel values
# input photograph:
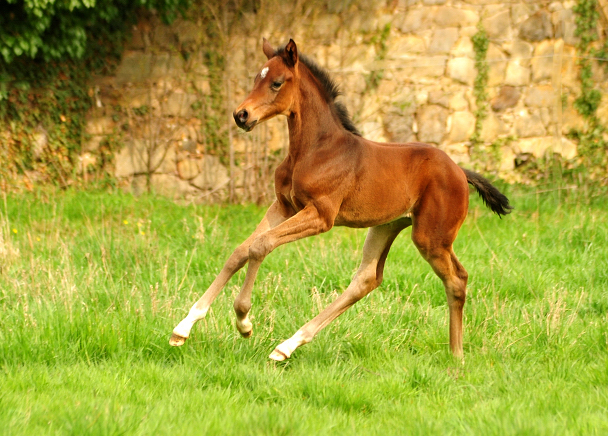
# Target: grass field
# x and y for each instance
(91, 285)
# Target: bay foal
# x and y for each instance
(334, 177)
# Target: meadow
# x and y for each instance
(92, 284)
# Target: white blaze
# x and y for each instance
(263, 73)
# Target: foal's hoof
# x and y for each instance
(278, 355)
(246, 335)
(244, 327)
(177, 340)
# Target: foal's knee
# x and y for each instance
(241, 307)
(260, 248)
(238, 259)
(366, 281)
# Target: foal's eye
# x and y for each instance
(276, 86)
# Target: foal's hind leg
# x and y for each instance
(368, 277)
(235, 262)
(436, 247)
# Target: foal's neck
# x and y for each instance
(313, 122)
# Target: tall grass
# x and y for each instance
(91, 285)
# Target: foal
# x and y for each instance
(334, 177)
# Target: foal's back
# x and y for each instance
(390, 179)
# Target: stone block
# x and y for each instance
(566, 148)
(213, 174)
(398, 126)
(85, 161)
(463, 48)
(447, 16)
(137, 40)
(497, 62)
(537, 27)
(462, 69)
(461, 126)
(458, 101)
(169, 185)
(135, 66)
(179, 104)
(459, 153)
(438, 97)
(565, 26)
(188, 32)
(326, 27)
(521, 51)
(602, 111)
(536, 147)
(139, 157)
(468, 31)
(163, 158)
(520, 12)
(432, 122)
(416, 19)
(167, 65)
(443, 40)
(492, 127)
(138, 185)
(546, 117)
(99, 126)
(202, 85)
(132, 159)
(40, 140)
(507, 97)
(599, 71)
(91, 145)
(527, 126)
(189, 168)
(278, 134)
(165, 37)
(404, 4)
(402, 46)
(571, 119)
(540, 96)
(542, 63)
(373, 130)
(517, 75)
(570, 70)
(419, 69)
(507, 159)
(498, 26)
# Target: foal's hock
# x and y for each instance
(334, 177)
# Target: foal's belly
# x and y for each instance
(370, 214)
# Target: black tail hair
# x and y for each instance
(492, 197)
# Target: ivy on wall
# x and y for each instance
(56, 29)
(48, 51)
(593, 146)
(481, 43)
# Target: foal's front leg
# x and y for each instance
(235, 262)
(307, 222)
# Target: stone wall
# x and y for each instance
(406, 69)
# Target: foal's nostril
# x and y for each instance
(242, 116)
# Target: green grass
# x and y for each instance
(92, 284)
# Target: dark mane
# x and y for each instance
(330, 89)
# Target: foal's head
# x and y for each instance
(273, 89)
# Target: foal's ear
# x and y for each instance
(291, 53)
(267, 49)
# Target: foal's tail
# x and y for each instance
(492, 197)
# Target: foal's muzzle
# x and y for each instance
(242, 120)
